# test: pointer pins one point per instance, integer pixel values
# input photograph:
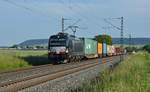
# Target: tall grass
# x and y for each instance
(132, 75)
(14, 59)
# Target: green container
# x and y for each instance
(90, 46)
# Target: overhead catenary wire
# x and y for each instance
(31, 10)
(18, 5)
(83, 16)
(115, 27)
(104, 19)
(99, 27)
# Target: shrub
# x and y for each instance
(147, 48)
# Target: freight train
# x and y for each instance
(64, 48)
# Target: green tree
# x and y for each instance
(104, 38)
(147, 48)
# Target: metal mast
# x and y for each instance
(121, 40)
(121, 34)
(63, 24)
(130, 39)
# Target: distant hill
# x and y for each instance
(135, 41)
(34, 42)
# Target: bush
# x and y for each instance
(147, 48)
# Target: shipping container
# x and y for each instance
(100, 49)
(110, 50)
(107, 50)
(90, 48)
(115, 50)
(104, 49)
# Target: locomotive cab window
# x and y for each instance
(58, 42)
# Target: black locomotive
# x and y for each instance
(63, 48)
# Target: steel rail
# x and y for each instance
(23, 70)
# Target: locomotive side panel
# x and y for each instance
(76, 47)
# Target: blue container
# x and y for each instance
(112, 51)
(104, 49)
(108, 50)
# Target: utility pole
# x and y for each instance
(130, 39)
(121, 34)
(63, 24)
(121, 40)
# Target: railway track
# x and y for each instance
(20, 84)
(23, 70)
(16, 72)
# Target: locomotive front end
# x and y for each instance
(57, 49)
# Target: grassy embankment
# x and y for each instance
(133, 75)
(14, 59)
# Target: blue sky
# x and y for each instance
(21, 20)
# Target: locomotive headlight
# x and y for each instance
(49, 51)
(67, 51)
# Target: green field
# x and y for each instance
(132, 75)
(14, 59)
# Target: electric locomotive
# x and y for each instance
(64, 48)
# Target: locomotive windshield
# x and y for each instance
(57, 41)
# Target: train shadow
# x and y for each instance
(37, 60)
